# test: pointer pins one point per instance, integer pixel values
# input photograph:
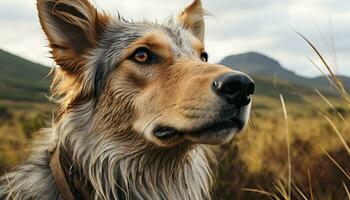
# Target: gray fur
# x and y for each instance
(115, 159)
(120, 33)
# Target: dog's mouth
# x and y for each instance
(215, 132)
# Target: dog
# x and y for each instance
(139, 108)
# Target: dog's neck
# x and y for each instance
(69, 179)
(118, 164)
(158, 174)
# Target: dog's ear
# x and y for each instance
(192, 18)
(72, 28)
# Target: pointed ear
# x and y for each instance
(192, 18)
(72, 27)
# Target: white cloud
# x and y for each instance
(237, 26)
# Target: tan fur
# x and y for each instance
(70, 78)
(158, 42)
(192, 18)
(108, 130)
(74, 29)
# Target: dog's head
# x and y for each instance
(153, 79)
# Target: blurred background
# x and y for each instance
(258, 37)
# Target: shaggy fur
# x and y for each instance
(110, 105)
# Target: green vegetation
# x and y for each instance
(256, 159)
(258, 65)
(295, 151)
(5, 114)
(18, 128)
(21, 79)
(253, 166)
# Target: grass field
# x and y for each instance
(296, 145)
(19, 121)
(255, 165)
(255, 162)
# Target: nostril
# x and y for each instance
(227, 88)
(216, 85)
(235, 88)
(251, 89)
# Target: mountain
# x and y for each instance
(21, 79)
(258, 65)
(323, 82)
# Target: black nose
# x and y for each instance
(236, 88)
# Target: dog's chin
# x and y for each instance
(213, 137)
(213, 133)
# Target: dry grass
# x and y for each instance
(313, 164)
(256, 164)
(290, 151)
(261, 163)
(259, 160)
(15, 142)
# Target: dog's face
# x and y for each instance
(156, 74)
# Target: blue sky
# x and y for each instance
(236, 26)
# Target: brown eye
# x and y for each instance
(204, 57)
(142, 55)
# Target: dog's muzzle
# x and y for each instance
(235, 88)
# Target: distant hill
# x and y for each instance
(21, 79)
(258, 65)
(323, 82)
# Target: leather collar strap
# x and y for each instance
(59, 177)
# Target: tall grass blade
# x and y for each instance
(288, 146)
(329, 104)
(338, 133)
(337, 81)
(281, 190)
(347, 190)
(310, 185)
(270, 195)
(300, 192)
(337, 164)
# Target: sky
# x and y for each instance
(233, 26)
